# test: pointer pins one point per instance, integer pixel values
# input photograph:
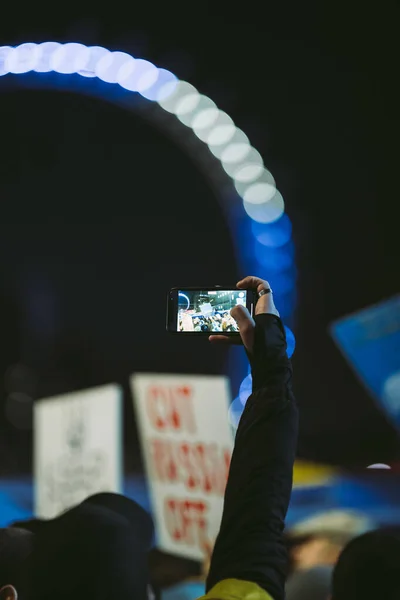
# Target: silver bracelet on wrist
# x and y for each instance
(263, 292)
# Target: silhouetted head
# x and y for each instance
(16, 546)
(369, 568)
(98, 549)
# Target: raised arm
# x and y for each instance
(250, 545)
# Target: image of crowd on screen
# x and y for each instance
(216, 322)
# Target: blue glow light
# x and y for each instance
(4, 52)
(137, 76)
(96, 53)
(245, 389)
(22, 59)
(286, 303)
(108, 67)
(47, 51)
(273, 235)
(163, 87)
(274, 259)
(235, 412)
(284, 281)
(291, 342)
(69, 58)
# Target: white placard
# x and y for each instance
(187, 445)
(77, 448)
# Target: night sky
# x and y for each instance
(102, 213)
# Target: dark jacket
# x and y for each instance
(250, 545)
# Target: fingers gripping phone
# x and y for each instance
(206, 310)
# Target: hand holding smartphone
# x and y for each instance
(205, 311)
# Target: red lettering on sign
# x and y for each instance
(186, 521)
(199, 466)
(171, 408)
(227, 460)
(163, 462)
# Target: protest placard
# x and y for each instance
(77, 448)
(187, 445)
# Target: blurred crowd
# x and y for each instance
(314, 546)
(102, 548)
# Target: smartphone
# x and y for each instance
(206, 310)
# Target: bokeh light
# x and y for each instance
(266, 211)
(233, 155)
(69, 58)
(47, 51)
(175, 96)
(23, 58)
(247, 172)
(235, 412)
(137, 76)
(274, 259)
(205, 106)
(273, 235)
(270, 250)
(4, 52)
(96, 53)
(284, 281)
(258, 190)
(109, 66)
(286, 303)
(165, 84)
(291, 342)
(245, 389)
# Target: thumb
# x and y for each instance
(246, 325)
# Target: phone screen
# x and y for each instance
(208, 311)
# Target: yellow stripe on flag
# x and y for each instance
(312, 474)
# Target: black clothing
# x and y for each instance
(250, 544)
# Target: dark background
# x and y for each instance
(101, 213)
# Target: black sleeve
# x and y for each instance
(250, 544)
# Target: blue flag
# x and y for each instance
(370, 341)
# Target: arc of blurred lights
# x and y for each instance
(186, 298)
(228, 143)
(262, 202)
(258, 188)
(69, 58)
